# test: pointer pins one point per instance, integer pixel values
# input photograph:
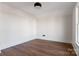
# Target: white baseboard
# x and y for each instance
(76, 50)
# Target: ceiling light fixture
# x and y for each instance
(37, 4)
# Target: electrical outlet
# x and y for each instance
(43, 35)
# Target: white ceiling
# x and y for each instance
(47, 7)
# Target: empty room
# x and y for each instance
(39, 29)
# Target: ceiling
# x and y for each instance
(47, 7)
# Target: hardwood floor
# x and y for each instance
(39, 47)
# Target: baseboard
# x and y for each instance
(75, 49)
(53, 40)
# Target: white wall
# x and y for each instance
(56, 25)
(21, 22)
(15, 26)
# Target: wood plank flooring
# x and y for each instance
(40, 47)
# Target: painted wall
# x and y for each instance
(15, 26)
(21, 22)
(56, 25)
